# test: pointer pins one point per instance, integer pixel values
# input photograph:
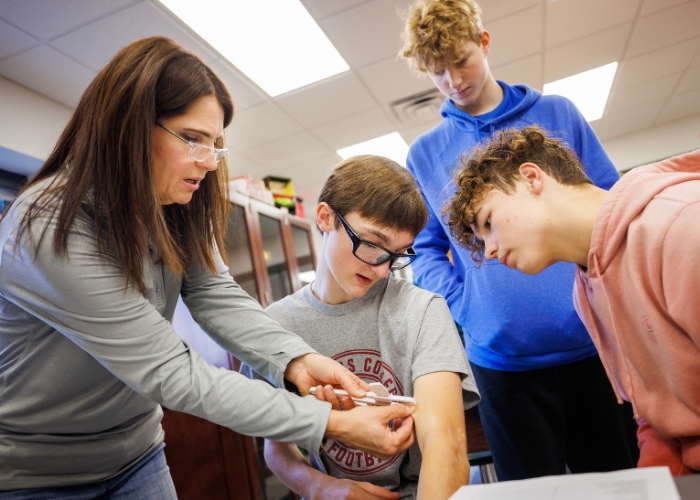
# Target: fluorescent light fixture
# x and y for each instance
(588, 90)
(391, 145)
(276, 43)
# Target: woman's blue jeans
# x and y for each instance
(149, 479)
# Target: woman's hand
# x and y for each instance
(367, 428)
(314, 369)
(327, 393)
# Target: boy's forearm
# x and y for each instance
(441, 435)
(289, 465)
(443, 471)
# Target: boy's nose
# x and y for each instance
(453, 77)
(383, 269)
(490, 249)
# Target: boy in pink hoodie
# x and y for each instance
(525, 200)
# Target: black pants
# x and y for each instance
(537, 422)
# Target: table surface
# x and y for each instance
(688, 486)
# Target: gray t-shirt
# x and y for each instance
(393, 335)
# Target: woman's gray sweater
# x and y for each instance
(86, 364)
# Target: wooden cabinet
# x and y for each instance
(283, 245)
(270, 255)
(208, 461)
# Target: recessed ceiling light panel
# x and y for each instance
(588, 90)
(276, 43)
(391, 146)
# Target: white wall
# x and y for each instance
(650, 145)
(31, 124)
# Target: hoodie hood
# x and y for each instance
(629, 197)
(516, 100)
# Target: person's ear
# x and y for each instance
(485, 42)
(533, 176)
(325, 217)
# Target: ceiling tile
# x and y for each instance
(495, 9)
(56, 17)
(527, 70)
(643, 94)
(365, 34)
(259, 125)
(516, 36)
(656, 64)
(690, 81)
(278, 154)
(321, 9)
(584, 54)
(696, 59)
(13, 41)
(631, 120)
(126, 26)
(245, 93)
(327, 100)
(409, 135)
(573, 19)
(391, 79)
(652, 6)
(49, 73)
(311, 172)
(665, 28)
(681, 106)
(354, 129)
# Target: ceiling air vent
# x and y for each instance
(418, 107)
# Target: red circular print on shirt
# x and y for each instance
(368, 365)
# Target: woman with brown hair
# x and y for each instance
(127, 214)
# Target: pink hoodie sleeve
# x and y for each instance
(655, 451)
(681, 273)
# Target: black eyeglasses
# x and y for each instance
(373, 254)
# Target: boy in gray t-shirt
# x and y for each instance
(384, 330)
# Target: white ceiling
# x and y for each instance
(55, 47)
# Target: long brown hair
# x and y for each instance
(105, 154)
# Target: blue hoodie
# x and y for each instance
(511, 321)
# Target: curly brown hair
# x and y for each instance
(436, 30)
(496, 165)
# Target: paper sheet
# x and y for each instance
(650, 483)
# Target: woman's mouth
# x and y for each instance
(193, 184)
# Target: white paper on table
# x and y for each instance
(646, 483)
